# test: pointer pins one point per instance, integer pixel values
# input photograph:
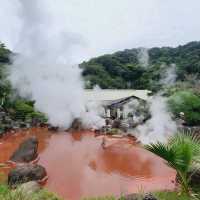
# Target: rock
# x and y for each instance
(131, 197)
(7, 127)
(7, 119)
(106, 129)
(26, 173)
(149, 197)
(16, 126)
(26, 152)
(43, 125)
(2, 114)
(140, 197)
(77, 125)
(124, 126)
(108, 122)
(29, 187)
(116, 123)
(35, 122)
(113, 131)
(97, 132)
(53, 128)
(23, 125)
(132, 137)
(195, 178)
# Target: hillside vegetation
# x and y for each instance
(123, 69)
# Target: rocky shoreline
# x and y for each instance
(10, 124)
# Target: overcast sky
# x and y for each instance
(107, 26)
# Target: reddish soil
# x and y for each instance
(78, 166)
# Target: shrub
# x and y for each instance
(38, 115)
(188, 103)
(22, 109)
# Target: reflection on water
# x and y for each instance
(77, 165)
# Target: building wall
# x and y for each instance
(133, 112)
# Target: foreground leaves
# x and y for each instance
(181, 153)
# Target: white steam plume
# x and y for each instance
(161, 126)
(169, 76)
(143, 57)
(44, 68)
(92, 118)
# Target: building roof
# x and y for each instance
(115, 94)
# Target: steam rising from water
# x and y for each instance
(161, 125)
(44, 68)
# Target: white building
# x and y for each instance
(117, 103)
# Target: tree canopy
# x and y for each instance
(123, 69)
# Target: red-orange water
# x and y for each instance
(78, 166)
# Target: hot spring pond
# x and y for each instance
(78, 166)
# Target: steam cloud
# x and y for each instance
(170, 76)
(143, 57)
(44, 69)
(160, 126)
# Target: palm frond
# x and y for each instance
(187, 138)
(162, 151)
(180, 153)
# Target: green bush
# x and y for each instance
(22, 109)
(188, 103)
(4, 54)
(38, 115)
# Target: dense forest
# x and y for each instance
(123, 69)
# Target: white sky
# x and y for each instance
(107, 26)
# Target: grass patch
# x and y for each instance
(7, 194)
(175, 196)
(158, 195)
(101, 198)
(171, 196)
